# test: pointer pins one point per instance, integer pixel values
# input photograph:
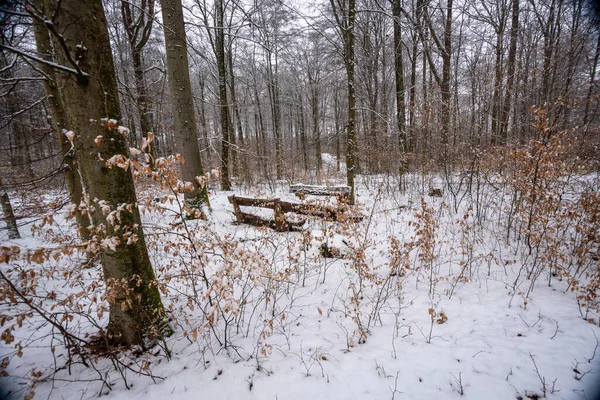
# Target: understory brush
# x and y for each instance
(241, 292)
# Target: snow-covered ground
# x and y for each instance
(449, 326)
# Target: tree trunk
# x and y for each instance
(588, 99)
(351, 139)
(241, 151)
(186, 133)
(61, 122)
(399, 75)
(512, 54)
(146, 120)
(498, 79)
(445, 84)
(138, 26)
(9, 215)
(314, 108)
(275, 110)
(302, 128)
(223, 104)
(136, 310)
(203, 124)
(345, 17)
(338, 131)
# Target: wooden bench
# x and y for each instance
(280, 208)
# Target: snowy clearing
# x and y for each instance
(380, 322)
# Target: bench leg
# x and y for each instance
(279, 217)
(236, 209)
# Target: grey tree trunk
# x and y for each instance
(400, 91)
(588, 99)
(314, 108)
(138, 21)
(186, 133)
(226, 133)
(273, 82)
(9, 215)
(302, 129)
(445, 84)
(241, 141)
(498, 79)
(345, 13)
(203, 124)
(60, 121)
(512, 54)
(136, 311)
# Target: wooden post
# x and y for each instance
(279, 216)
(236, 209)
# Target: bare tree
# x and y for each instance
(399, 75)
(59, 115)
(345, 15)
(138, 20)
(186, 133)
(90, 88)
(9, 215)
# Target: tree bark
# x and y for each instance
(9, 215)
(136, 310)
(445, 84)
(512, 54)
(498, 79)
(588, 99)
(345, 13)
(400, 90)
(186, 132)
(240, 151)
(302, 128)
(60, 121)
(138, 29)
(273, 83)
(223, 104)
(314, 108)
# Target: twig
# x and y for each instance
(556, 331)
(458, 380)
(542, 379)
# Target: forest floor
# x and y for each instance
(454, 322)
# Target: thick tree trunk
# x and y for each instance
(136, 310)
(60, 121)
(186, 133)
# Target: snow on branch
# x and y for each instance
(78, 73)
